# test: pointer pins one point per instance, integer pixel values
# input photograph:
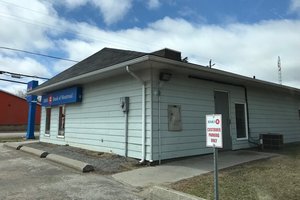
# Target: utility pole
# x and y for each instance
(279, 71)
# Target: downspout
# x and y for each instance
(143, 113)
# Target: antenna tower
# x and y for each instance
(279, 71)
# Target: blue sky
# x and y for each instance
(240, 36)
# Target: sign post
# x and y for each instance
(32, 100)
(214, 139)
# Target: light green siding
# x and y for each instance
(196, 98)
(274, 112)
(269, 112)
(97, 123)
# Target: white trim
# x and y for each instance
(167, 61)
(87, 75)
(220, 72)
(47, 134)
(246, 121)
(60, 136)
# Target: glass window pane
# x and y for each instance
(240, 120)
(48, 120)
(61, 125)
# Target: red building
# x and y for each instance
(14, 112)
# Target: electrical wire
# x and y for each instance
(38, 54)
(1, 79)
(20, 75)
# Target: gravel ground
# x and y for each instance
(104, 163)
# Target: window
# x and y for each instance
(48, 121)
(299, 113)
(61, 123)
(241, 121)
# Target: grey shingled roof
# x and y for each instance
(103, 58)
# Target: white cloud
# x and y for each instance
(71, 4)
(153, 4)
(295, 6)
(112, 11)
(26, 28)
(247, 49)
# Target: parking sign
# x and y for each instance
(214, 131)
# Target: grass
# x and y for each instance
(11, 139)
(14, 139)
(274, 178)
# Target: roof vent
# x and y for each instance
(168, 53)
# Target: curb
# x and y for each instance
(37, 152)
(162, 193)
(14, 145)
(75, 164)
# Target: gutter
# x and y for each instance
(87, 75)
(143, 113)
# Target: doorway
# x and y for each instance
(222, 107)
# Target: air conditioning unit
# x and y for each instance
(271, 140)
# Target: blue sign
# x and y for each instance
(31, 85)
(66, 96)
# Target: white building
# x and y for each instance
(168, 101)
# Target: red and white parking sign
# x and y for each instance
(214, 131)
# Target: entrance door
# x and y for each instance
(222, 107)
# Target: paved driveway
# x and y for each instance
(23, 176)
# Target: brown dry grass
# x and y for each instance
(274, 178)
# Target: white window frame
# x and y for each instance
(246, 121)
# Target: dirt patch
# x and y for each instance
(104, 163)
(274, 178)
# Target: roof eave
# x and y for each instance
(222, 73)
(90, 74)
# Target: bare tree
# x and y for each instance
(21, 93)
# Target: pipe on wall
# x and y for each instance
(143, 157)
(126, 134)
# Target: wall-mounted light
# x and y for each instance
(164, 76)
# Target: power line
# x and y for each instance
(16, 75)
(38, 54)
(1, 79)
(73, 32)
(24, 7)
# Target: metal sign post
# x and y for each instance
(214, 139)
(32, 100)
(216, 184)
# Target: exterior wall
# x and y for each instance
(196, 98)
(269, 111)
(273, 112)
(14, 110)
(97, 123)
